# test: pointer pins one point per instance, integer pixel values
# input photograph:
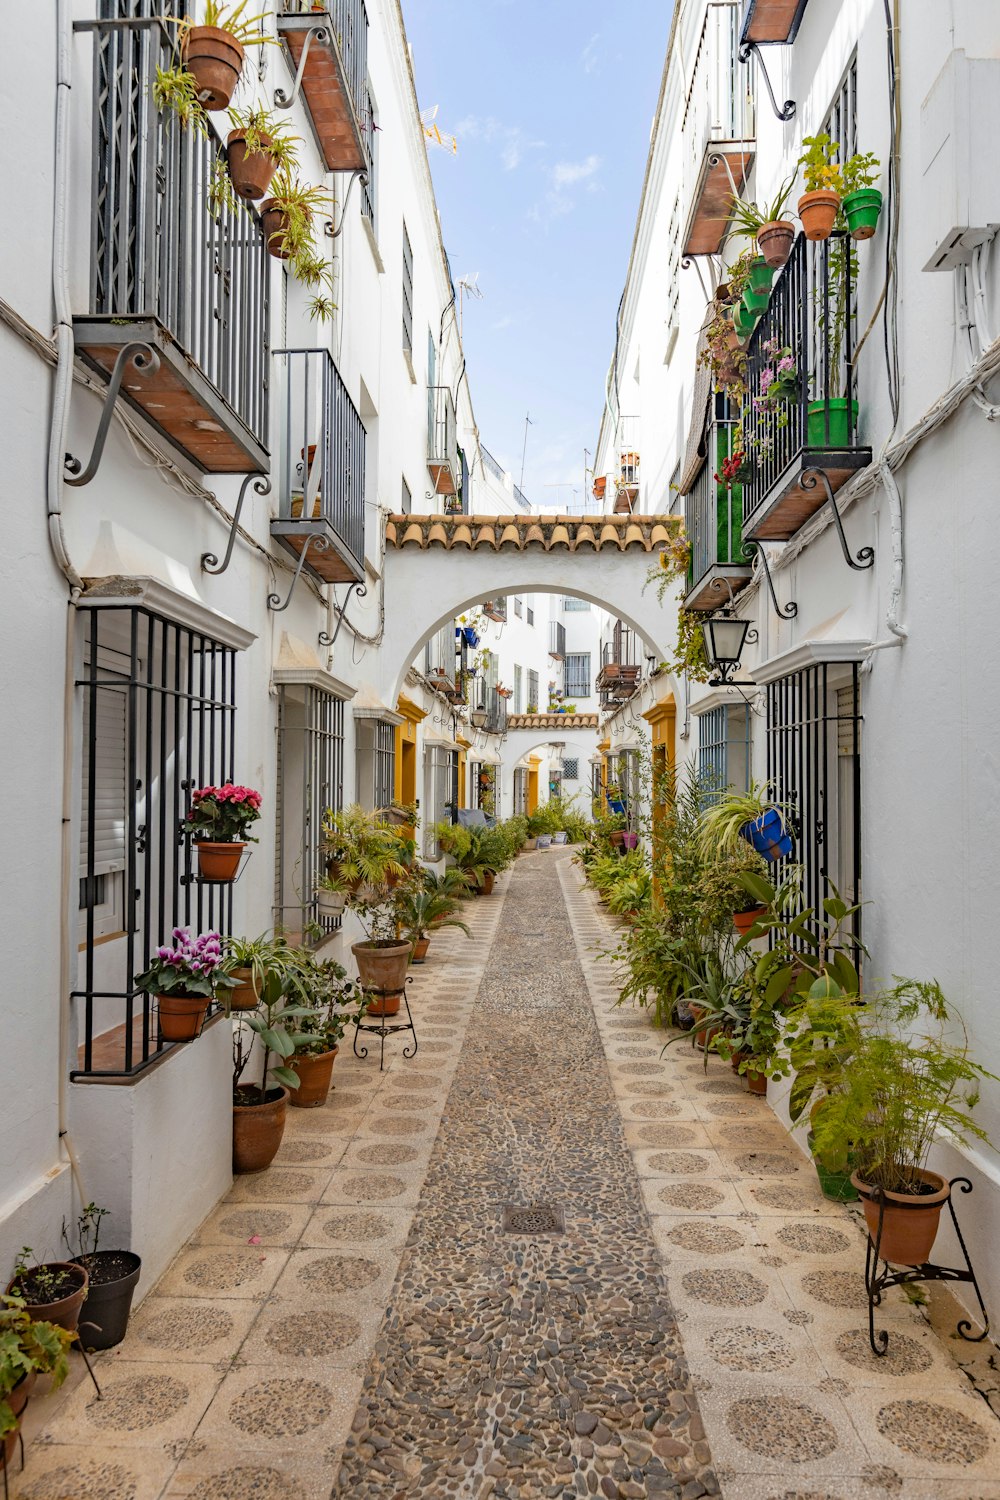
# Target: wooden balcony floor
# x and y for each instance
(327, 93)
(332, 564)
(789, 506)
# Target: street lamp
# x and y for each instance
(478, 717)
(724, 640)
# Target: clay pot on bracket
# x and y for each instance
(775, 240)
(909, 1221)
(258, 1128)
(218, 862)
(181, 1016)
(244, 996)
(214, 58)
(818, 212)
(274, 222)
(250, 171)
(315, 1070)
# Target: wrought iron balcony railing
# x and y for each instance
(713, 514)
(813, 422)
(442, 441)
(172, 265)
(621, 668)
(719, 128)
(320, 470)
(557, 639)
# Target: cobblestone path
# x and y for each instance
(528, 1365)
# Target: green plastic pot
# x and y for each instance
(761, 275)
(861, 210)
(836, 1186)
(756, 302)
(831, 424)
(744, 321)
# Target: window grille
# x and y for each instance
(571, 606)
(724, 748)
(530, 615)
(814, 763)
(310, 780)
(519, 690)
(376, 762)
(406, 499)
(518, 606)
(673, 277)
(158, 698)
(571, 768)
(532, 692)
(577, 675)
(440, 793)
(407, 293)
(841, 123)
(521, 792)
(368, 118)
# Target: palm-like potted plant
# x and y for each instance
(331, 896)
(426, 909)
(260, 1109)
(753, 815)
(363, 853)
(903, 1086)
(256, 147)
(287, 215)
(330, 1002)
(184, 980)
(29, 1347)
(219, 821)
(213, 51)
(113, 1275)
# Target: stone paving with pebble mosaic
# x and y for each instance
(357, 1321)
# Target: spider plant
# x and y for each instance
(228, 16)
(746, 218)
(722, 822)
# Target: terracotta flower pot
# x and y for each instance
(315, 1070)
(735, 1060)
(382, 966)
(420, 948)
(257, 1130)
(251, 171)
(756, 1082)
(17, 1400)
(215, 59)
(910, 1220)
(744, 920)
(65, 1311)
(489, 881)
(617, 836)
(218, 862)
(381, 1006)
(818, 212)
(274, 222)
(244, 996)
(181, 1016)
(775, 240)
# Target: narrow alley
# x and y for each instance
(536, 1259)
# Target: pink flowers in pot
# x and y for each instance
(192, 966)
(223, 814)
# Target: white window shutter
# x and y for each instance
(110, 818)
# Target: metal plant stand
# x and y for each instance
(383, 1026)
(877, 1283)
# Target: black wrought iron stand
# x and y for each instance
(383, 1026)
(876, 1284)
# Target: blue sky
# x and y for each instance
(552, 102)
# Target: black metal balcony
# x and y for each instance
(621, 669)
(443, 461)
(329, 48)
(766, 21)
(320, 471)
(814, 426)
(718, 128)
(495, 609)
(557, 640)
(713, 515)
(171, 266)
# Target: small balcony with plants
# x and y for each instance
(557, 640)
(767, 22)
(319, 473)
(719, 130)
(327, 47)
(620, 670)
(444, 462)
(713, 514)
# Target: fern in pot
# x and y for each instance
(753, 815)
(905, 1084)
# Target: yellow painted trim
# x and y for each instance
(397, 756)
(665, 709)
(461, 775)
(465, 744)
(410, 710)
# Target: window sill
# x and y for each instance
(366, 225)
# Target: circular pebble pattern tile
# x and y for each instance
(337, 1100)
(373, 1189)
(276, 1184)
(313, 1334)
(784, 1195)
(813, 1239)
(408, 1101)
(435, 1046)
(650, 1088)
(767, 1164)
(904, 1356)
(778, 1427)
(706, 1238)
(304, 1151)
(717, 1086)
(137, 1403)
(185, 1327)
(640, 1070)
(243, 1222)
(656, 1109)
(384, 1154)
(931, 1431)
(98, 1481)
(415, 1081)
(836, 1288)
(668, 1135)
(402, 1125)
(690, 1195)
(339, 1273)
(635, 1051)
(281, 1408)
(747, 1348)
(683, 1162)
(724, 1288)
(357, 1225)
(244, 1481)
(225, 1270)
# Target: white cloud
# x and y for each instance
(564, 177)
(590, 58)
(503, 322)
(568, 173)
(512, 141)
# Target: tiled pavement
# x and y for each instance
(475, 1362)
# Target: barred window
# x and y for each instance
(376, 762)
(577, 674)
(532, 692)
(310, 784)
(724, 748)
(571, 768)
(571, 605)
(518, 690)
(407, 293)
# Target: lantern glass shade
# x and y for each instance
(724, 640)
(478, 717)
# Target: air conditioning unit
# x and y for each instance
(960, 199)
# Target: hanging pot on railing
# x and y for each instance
(861, 209)
(274, 221)
(214, 58)
(250, 171)
(775, 240)
(818, 212)
(768, 835)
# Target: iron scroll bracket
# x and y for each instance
(783, 611)
(209, 562)
(787, 110)
(315, 33)
(876, 1284)
(341, 612)
(333, 233)
(145, 361)
(809, 479)
(321, 544)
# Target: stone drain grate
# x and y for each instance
(538, 1218)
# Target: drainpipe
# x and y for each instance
(62, 390)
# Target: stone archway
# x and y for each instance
(528, 733)
(437, 566)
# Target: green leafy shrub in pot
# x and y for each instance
(29, 1347)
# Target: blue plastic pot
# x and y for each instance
(768, 836)
(468, 634)
(615, 806)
